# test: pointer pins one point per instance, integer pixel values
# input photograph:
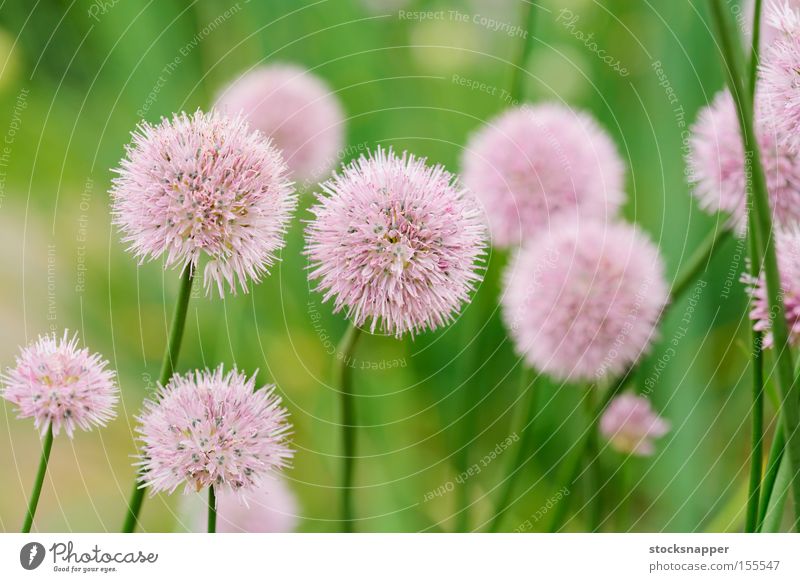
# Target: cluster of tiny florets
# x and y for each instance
(61, 385)
(395, 242)
(630, 425)
(204, 185)
(211, 428)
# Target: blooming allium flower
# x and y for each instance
(780, 73)
(630, 425)
(788, 251)
(582, 302)
(270, 508)
(397, 241)
(717, 167)
(769, 31)
(534, 163)
(211, 428)
(204, 184)
(59, 384)
(297, 110)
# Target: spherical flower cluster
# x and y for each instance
(582, 301)
(59, 384)
(788, 250)
(397, 242)
(535, 163)
(297, 110)
(269, 508)
(211, 428)
(204, 184)
(769, 31)
(717, 168)
(780, 86)
(630, 424)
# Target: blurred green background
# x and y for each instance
(75, 73)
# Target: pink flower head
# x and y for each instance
(59, 384)
(770, 30)
(788, 251)
(395, 241)
(717, 168)
(582, 301)
(269, 508)
(630, 424)
(297, 110)
(534, 163)
(211, 428)
(780, 73)
(204, 184)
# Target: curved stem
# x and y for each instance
(37, 485)
(517, 78)
(212, 510)
(698, 262)
(345, 381)
(761, 229)
(524, 427)
(773, 467)
(167, 369)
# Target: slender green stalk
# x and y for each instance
(167, 368)
(757, 436)
(47, 446)
(573, 470)
(517, 77)
(754, 45)
(345, 381)
(774, 463)
(212, 510)
(758, 200)
(524, 427)
(594, 480)
(774, 514)
(698, 262)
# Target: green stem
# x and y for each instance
(212, 510)
(756, 445)
(774, 513)
(345, 380)
(524, 427)
(574, 467)
(167, 369)
(594, 479)
(773, 467)
(37, 486)
(754, 45)
(698, 262)
(517, 78)
(758, 199)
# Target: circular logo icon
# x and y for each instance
(31, 555)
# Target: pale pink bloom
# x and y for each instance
(270, 508)
(204, 184)
(395, 242)
(59, 384)
(780, 73)
(297, 110)
(769, 31)
(630, 424)
(583, 300)
(716, 163)
(788, 250)
(211, 428)
(536, 163)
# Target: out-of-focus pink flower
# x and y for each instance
(57, 383)
(717, 166)
(582, 301)
(630, 424)
(395, 241)
(533, 164)
(204, 184)
(788, 250)
(211, 428)
(297, 110)
(270, 508)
